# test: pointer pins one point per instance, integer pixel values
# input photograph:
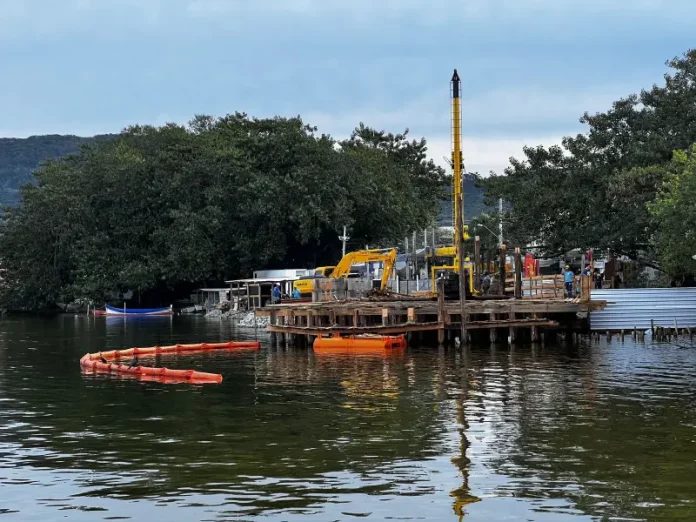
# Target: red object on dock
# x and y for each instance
(93, 361)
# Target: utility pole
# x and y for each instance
(344, 238)
(500, 215)
(415, 255)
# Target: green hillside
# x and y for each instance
(19, 157)
(473, 203)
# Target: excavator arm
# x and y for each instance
(388, 258)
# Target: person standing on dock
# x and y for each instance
(568, 277)
(485, 283)
(275, 294)
(598, 278)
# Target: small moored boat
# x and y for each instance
(110, 310)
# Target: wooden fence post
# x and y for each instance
(441, 311)
(501, 268)
(518, 273)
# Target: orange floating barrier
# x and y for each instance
(360, 343)
(93, 361)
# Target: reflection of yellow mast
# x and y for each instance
(461, 495)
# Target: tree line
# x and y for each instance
(159, 209)
(625, 187)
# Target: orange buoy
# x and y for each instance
(93, 361)
(360, 343)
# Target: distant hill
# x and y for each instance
(473, 203)
(19, 157)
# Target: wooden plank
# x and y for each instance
(478, 325)
(349, 330)
(427, 307)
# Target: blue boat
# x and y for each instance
(110, 310)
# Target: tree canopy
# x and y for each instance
(674, 211)
(594, 190)
(162, 208)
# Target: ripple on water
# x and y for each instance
(545, 433)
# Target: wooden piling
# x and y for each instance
(477, 263)
(501, 268)
(274, 337)
(535, 330)
(493, 333)
(518, 273)
(441, 311)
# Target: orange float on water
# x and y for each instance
(94, 361)
(360, 343)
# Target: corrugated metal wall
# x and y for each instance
(635, 307)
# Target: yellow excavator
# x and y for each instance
(387, 257)
(304, 283)
(343, 268)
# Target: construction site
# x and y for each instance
(453, 305)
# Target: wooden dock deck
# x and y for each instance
(399, 315)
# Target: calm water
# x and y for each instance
(559, 433)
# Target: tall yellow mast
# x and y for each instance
(457, 161)
(457, 158)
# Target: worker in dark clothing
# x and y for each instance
(598, 278)
(102, 359)
(485, 283)
(134, 362)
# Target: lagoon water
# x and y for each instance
(596, 431)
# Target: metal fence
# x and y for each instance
(636, 307)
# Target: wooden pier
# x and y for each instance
(401, 314)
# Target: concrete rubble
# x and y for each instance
(242, 320)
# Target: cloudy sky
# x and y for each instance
(530, 67)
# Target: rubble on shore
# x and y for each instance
(240, 319)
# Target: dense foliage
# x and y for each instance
(675, 215)
(159, 208)
(594, 191)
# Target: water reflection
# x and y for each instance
(545, 433)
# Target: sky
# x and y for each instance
(530, 68)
